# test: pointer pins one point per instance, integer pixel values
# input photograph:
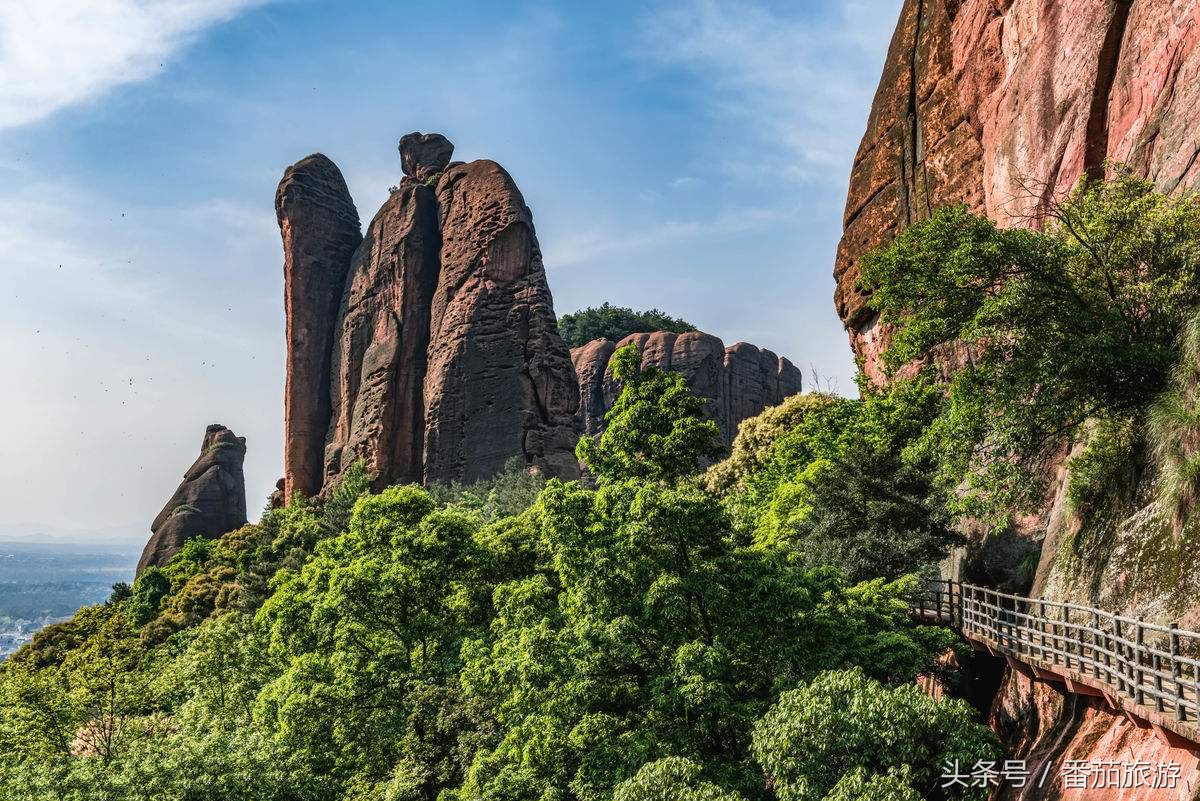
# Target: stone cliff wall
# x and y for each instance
(429, 347)
(1004, 104)
(739, 381)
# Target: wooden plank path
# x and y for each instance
(1150, 673)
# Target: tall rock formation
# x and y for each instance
(739, 381)
(500, 381)
(443, 355)
(1003, 105)
(320, 229)
(210, 501)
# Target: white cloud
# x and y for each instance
(800, 83)
(57, 53)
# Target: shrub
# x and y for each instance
(1102, 474)
(509, 492)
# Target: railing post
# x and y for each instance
(1156, 663)
(962, 608)
(1118, 650)
(1095, 644)
(1066, 635)
(1139, 695)
(1042, 627)
(1180, 709)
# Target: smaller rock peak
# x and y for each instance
(216, 434)
(423, 155)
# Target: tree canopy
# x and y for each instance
(615, 322)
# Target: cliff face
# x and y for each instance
(210, 501)
(440, 358)
(739, 381)
(1004, 104)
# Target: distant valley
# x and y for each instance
(44, 582)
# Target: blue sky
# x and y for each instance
(691, 156)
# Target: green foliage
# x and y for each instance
(837, 481)
(670, 779)
(872, 515)
(335, 513)
(859, 785)
(1059, 327)
(653, 633)
(617, 642)
(1101, 474)
(845, 735)
(1174, 429)
(148, 591)
(505, 494)
(615, 323)
(656, 430)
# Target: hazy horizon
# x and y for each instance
(688, 156)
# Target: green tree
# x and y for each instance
(657, 430)
(369, 632)
(844, 735)
(871, 515)
(151, 586)
(615, 323)
(647, 632)
(1056, 327)
(670, 779)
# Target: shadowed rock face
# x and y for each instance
(320, 229)
(379, 358)
(1004, 105)
(739, 381)
(444, 354)
(210, 502)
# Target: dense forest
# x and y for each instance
(683, 623)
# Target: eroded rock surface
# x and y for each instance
(424, 155)
(739, 381)
(320, 229)
(210, 501)
(1004, 105)
(444, 359)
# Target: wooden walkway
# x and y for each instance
(1149, 673)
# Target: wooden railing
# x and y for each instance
(1155, 667)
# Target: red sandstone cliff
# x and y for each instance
(1003, 105)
